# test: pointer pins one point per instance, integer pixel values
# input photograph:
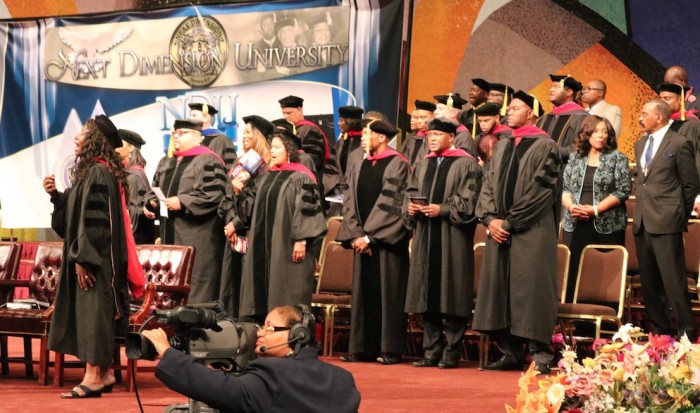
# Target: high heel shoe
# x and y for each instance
(108, 388)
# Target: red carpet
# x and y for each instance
(398, 388)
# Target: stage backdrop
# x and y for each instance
(143, 69)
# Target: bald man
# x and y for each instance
(594, 96)
(678, 74)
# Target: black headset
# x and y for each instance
(302, 333)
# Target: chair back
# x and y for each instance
(478, 260)
(170, 267)
(336, 273)
(333, 224)
(631, 247)
(602, 276)
(629, 205)
(563, 259)
(480, 235)
(10, 253)
(46, 272)
(692, 247)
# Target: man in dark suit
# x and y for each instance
(667, 183)
(288, 376)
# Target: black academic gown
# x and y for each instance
(283, 207)
(414, 147)
(144, 228)
(518, 284)
(441, 278)
(379, 281)
(221, 144)
(199, 183)
(690, 128)
(563, 125)
(300, 383)
(89, 219)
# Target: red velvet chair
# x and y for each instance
(34, 323)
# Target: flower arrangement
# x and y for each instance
(627, 375)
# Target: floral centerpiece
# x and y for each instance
(627, 375)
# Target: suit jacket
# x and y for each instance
(665, 195)
(301, 383)
(611, 113)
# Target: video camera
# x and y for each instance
(204, 332)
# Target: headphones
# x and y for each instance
(301, 333)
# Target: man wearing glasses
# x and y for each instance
(594, 96)
(193, 183)
(287, 377)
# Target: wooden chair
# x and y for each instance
(168, 270)
(333, 224)
(480, 235)
(484, 341)
(10, 254)
(563, 261)
(600, 290)
(629, 205)
(334, 289)
(34, 323)
(691, 247)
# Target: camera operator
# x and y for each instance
(287, 377)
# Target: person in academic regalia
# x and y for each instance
(562, 124)
(350, 124)
(256, 135)
(501, 95)
(683, 121)
(414, 147)
(286, 223)
(478, 95)
(449, 106)
(99, 258)
(373, 227)
(212, 137)
(441, 278)
(288, 129)
(142, 221)
(519, 203)
(313, 140)
(489, 117)
(193, 182)
(678, 74)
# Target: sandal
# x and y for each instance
(87, 393)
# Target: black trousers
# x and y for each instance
(664, 283)
(434, 347)
(513, 347)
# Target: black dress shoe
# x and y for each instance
(389, 359)
(543, 368)
(503, 364)
(447, 364)
(426, 362)
(357, 358)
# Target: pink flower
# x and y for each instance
(558, 338)
(599, 342)
(573, 410)
(660, 342)
(581, 385)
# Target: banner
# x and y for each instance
(143, 69)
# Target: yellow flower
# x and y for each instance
(673, 393)
(682, 372)
(555, 394)
(589, 362)
(618, 374)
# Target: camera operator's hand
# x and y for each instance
(159, 340)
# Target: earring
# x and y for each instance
(288, 161)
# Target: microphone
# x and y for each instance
(265, 348)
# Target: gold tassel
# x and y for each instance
(474, 124)
(504, 108)
(682, 102)
(536, 106)
(205, 109)
(450, 101)
(171, 144)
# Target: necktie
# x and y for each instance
(649, 152)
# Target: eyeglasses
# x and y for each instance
(271, 329)
(586, 89)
